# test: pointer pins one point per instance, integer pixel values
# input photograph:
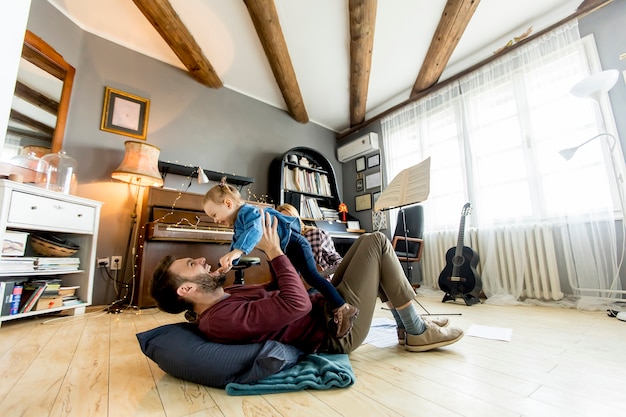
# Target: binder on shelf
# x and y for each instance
(6, 291)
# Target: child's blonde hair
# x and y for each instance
(218, 193)
(292, 211)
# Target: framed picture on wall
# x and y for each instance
(360, 164)
(359, 185)
(363, 202)
(373, 180)
(373, 161)
(125, 114)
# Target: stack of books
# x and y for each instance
(329, 214)
(57, 264)
(17, 264)
(39, 292)
(69, 295)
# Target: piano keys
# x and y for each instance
(188, 233)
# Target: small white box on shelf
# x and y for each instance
(14, 243)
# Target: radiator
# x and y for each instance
(516, 260)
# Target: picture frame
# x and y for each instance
(360, 164)
(373, 161)
(373, 180)
(375, 197)
(363, 202)
(359, 185)
(125, 114)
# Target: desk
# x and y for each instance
(342, 237)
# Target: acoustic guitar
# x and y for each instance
(459, 277)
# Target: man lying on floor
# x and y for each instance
(283, 311)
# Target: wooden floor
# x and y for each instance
(560, 362)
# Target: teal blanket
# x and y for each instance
(315, 371)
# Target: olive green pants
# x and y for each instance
(369, 270)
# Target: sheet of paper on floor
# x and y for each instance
(382, 333)
(488, 332)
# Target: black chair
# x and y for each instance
(408, 242)
(244, 263)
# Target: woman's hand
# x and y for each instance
(270, 242)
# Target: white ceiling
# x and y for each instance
(316, 32)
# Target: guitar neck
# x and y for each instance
(460, 240)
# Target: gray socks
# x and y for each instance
(396, 316)
(412, 321)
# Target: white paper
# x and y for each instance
(410, 186)
(382, 333)
(487, 332)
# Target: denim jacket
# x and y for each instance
(248, 230)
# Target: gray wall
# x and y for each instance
(609, 30)
(220, 130)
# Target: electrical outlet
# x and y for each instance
(116, 263)
(103, 262)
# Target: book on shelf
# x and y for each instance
(16, 298)
(68, 291)
(71, 300)
(57, 264)
(17, 264)
(31, 293)
(6, 292)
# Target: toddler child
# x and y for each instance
(224, 204)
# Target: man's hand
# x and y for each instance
(270, 242)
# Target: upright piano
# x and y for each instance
(173, 223)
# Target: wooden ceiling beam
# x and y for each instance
(454, 20)
(32, 123)
(362, 25)
(167, 23)
(36, 98)
(265, 20)
(585, 8)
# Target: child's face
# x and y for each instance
(222, 213)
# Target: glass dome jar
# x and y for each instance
(61, 172)
(32, 162)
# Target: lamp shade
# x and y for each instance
(140, 165)
(202, 177)
(595, 85)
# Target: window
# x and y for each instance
(494, 136)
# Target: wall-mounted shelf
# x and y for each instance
(191, 171)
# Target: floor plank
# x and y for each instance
(560, 362)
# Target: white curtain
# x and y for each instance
(544, 226)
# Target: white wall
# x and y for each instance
(13, 20)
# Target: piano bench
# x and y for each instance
(244, 262)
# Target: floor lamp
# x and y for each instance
(594, 87)
(139, 168)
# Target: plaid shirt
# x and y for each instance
(324, 251)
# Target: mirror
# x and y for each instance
(40, 102)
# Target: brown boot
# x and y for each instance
(343, 319)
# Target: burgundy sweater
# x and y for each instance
(281, 310)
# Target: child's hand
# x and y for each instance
(226, 261)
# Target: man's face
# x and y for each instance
(222, 213)
(199, 272)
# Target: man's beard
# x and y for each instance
(208, 283)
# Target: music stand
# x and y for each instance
(410, 186)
